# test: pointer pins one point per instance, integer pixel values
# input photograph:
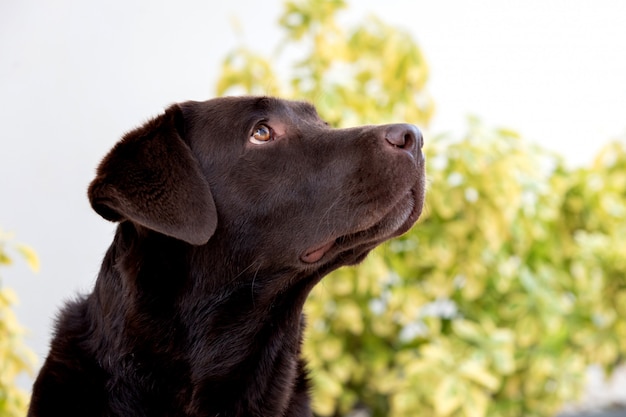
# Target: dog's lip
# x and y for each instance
(404, 223)
(414, 213)
(316, 253)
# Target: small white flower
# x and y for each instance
(471, 194)
(377, 306)
(455, 179)
(412, 331)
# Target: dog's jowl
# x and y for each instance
(229, 211)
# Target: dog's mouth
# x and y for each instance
(394, 223)
(315, 254)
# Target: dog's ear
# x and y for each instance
(151, 178)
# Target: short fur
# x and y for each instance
(197, 309)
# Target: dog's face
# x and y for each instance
(289, 187)
(268, 179)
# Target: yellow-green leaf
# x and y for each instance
(448, 395)
(476, 372)
(30, 255)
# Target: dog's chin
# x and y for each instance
(351, 248)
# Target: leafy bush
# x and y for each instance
(494, 305)
(369, 74)
(15, 357)
(511, 285)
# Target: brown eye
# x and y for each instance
(262, 134)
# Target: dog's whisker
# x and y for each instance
(252, 285)
(326, 216)
(242, 272)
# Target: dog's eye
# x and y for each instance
(262, 134)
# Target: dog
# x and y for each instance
(230, 211)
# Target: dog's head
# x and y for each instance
(265, 180)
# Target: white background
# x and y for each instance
(75, 75)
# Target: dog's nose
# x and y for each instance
(404, 136)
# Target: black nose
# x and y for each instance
(403, 136)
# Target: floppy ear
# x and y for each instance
(151, 178)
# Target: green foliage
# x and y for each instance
(15, 357)
(509, 287)
(535, 278)
(374, 72)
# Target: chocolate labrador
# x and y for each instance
(230, 211)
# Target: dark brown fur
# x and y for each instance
(197, 309)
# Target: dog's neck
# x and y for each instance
(153, 271)
(233, 335)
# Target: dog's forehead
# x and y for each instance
(246, 110)
(290, 111)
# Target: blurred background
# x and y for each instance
(508, 298)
